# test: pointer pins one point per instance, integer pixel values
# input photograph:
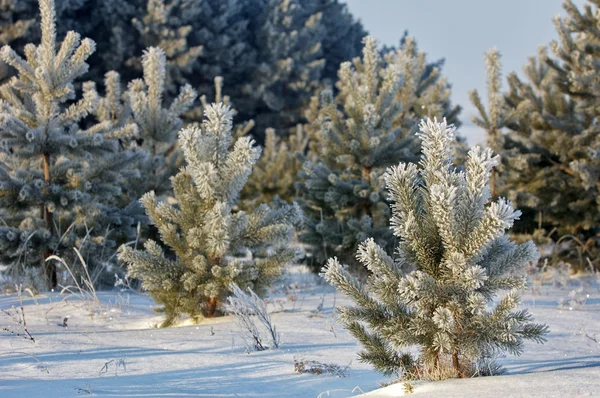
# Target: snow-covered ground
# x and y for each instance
(118, 352)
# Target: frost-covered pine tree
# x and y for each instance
(452, 259)
(550, 140)
(274, 176)
(167, 26)
(493, 119)
(211, 246)
(366, 128)
(158, 123)
(61, 173)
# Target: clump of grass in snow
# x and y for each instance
(245, 308)
(84, 290)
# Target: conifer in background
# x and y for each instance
(167, 26)
(271, 53)
(158, 123)
(344, 34)
(452, 259)
(355, 136)
(289, 62)
(210, 245)
(60, 173)
(550, 140)
(274, 176)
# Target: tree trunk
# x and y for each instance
(493, 184)
(50, 271)
(456, 364)
(211, 307)
(48, 216)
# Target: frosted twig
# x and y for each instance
(592, 338)
(44, 367)
(17, 316)
(118, 362)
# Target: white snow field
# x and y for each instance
(118, 352)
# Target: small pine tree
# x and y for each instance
(494, 119)
(211, 246)
(61, 173)
(355, 136)
(143, 105)
(452, 259)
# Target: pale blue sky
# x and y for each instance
(461, 31)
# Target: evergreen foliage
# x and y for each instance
(290, 61)
(452, 260)
(158, 124)
(14, 25)
(211, 246)
(355, 136)
(61, 172)
(143, 106)
(167, 26)
(101, 21)
(274, 175)
(271, 53)
(547, 128)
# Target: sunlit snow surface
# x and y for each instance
(119, 353)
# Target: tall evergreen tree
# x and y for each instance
(60, 173)
(343, 34)
(355, 136)
(547, 129)
(210, 244)
(452, 260)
